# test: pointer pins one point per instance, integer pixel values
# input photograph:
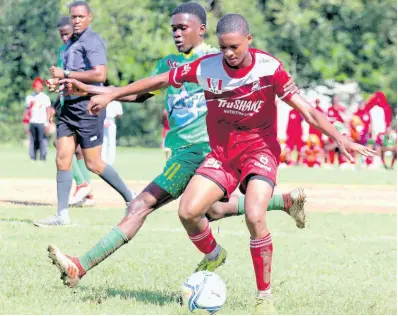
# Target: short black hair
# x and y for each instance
(63, 21)
(80, 3)
(232, 23)
(192, 8)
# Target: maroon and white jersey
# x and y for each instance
(239, 101)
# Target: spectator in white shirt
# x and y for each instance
(35, 105)
(113, 110)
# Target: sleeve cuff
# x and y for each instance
(172, 79)
(286, 97)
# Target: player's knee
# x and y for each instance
(62, 162)
(140, 208)
(188, 211)
(255, 215)
(215, 212)
(94, 165)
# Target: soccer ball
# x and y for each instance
(204, 291)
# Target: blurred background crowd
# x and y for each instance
(341, 54)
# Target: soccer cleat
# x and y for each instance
(88, 201)
(55, 221)
(264, 305)
(81, 192)
(212, 265)
(70, 267)
(294, 205)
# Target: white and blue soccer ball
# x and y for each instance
(204, 291)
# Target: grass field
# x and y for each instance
(344, 262)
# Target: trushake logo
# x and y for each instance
(241, 105)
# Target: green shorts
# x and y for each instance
(180, 168)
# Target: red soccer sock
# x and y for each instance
(204, 241)
(261, 251)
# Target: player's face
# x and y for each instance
(80, 18)
(38, 88)
(65, 32)
(187, 31)
(235, 48)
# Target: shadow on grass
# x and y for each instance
(99, 295)
(25, 203)
(13, 220)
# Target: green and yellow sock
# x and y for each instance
(275, 204)
(76, 172)
(103, 249)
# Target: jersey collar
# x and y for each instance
(194, 50)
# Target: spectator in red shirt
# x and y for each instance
(294, 134)
(364, 129)
(336, 110)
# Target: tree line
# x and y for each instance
(317, 41)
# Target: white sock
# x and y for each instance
(264, 294)
(214, 254)
(63, 213)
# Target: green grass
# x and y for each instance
(340, 264)
(146, 164)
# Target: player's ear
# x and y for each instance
(202, 30)
(249, 39)
(90, 16)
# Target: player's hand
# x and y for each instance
(52, 84)
(291, 87)
(57, 72)
(98, 102)
(346, 146)
(50, 111)
(74, 87)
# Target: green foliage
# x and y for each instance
(317, 41)
(26, 50)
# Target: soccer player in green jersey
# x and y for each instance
(189, 142)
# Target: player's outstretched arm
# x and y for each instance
(76, 87)
(142, 86)
(319, 121)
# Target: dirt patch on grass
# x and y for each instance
(320, 198)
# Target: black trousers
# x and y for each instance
(39, 143)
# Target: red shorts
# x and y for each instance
(257, 158)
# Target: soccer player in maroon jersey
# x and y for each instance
(240, 86)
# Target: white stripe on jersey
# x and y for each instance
(212, 67)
